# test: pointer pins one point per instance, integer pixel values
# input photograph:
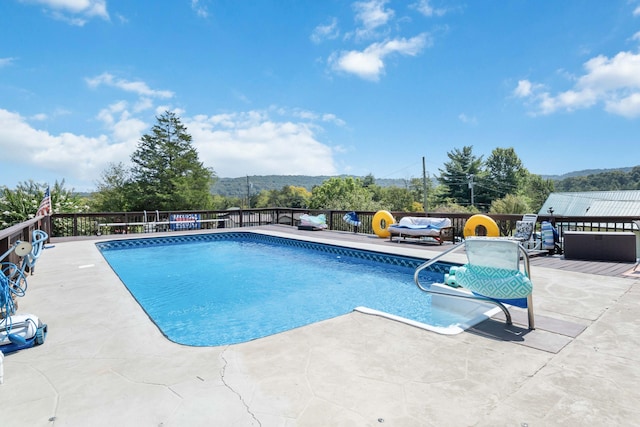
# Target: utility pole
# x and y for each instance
(248, 193)
(471, 184)
(424, 185)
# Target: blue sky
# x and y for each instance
(318, 87)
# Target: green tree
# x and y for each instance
(167, 173)
(537, 190)
(634, 178)
(114, 191)
(604, 181)
(343, 194)
(288, 197)
(294, 197)
(261, 200)
(222, 203)
(369, 181)
(397, 199)
(504, 174)
(21, 203)
(510, 204)
(462, 169)
(417, 188)
(450, 207)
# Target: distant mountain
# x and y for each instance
(238, 187)
(601, 180)
(585, 172)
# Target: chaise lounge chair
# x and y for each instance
(439, 229)
(497, 271)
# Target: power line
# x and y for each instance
(400, 170)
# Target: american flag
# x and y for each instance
(45, 204)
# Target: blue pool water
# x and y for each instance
(229, 288)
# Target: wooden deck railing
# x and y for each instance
(21, 232)
(107, 223)
(87, 224)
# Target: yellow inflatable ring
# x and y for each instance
(483, 220)
(381, 222)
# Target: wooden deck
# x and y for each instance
(603, 268)
(541, 259)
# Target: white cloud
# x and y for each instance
(200, 9)
(329, 31)
(332, 118)
(121, 124)
(137, 87)
(628, 106)
(75, 156)
(467, 120)
(308, 116)
(636, 11)
(233, 144)
(425, 8)
(620, 72)
(523, 89)
(372, 19)
(5, 62)
(614, 82)
(75, 12)
(143, 104)
(368, 64)
(251, 143)
(371, 15)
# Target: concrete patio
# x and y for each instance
(104, 363)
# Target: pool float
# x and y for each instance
(450, 278)
(381, 222)
(483, 220)
(313, 222)
(352, 219)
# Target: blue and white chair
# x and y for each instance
(525, 232)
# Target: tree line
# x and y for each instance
(166, 174)
(240, 186)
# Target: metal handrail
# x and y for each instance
(505, 310)
(146, 223)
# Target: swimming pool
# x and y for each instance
(232, 287)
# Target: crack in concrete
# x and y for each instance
(227, 385)
(52, 419)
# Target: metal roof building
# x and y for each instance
(593, 203)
